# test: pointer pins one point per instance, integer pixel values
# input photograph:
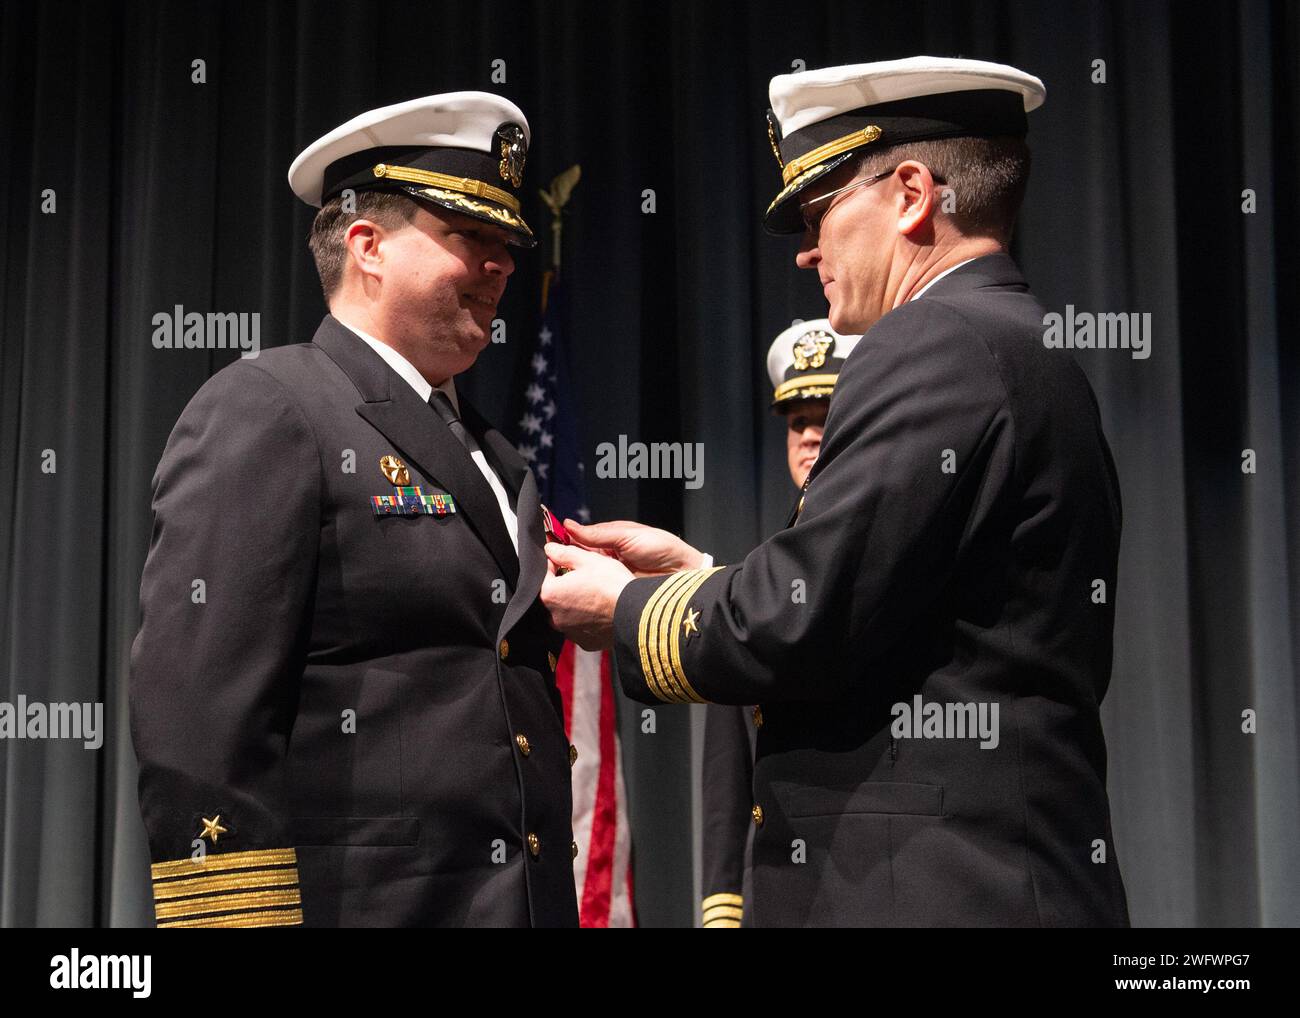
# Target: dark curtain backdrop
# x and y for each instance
(170, 192)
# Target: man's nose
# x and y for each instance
(810, 254)
(499, 263)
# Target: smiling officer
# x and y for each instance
(342, 695)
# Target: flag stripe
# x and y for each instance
(564, 679)
(622, 914)
(547, 438)
(600, 877)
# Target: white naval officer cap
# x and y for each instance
(804, 361)
(464, 151)
(820, 118)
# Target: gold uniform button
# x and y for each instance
(800, 508)
(504, 648)
(758, 717)
(574, 846)
(552, 660)
(757, 813)
(573, 754)
(521, 740)
(534, 844)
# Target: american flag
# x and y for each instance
(548, 440)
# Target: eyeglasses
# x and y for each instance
(813, 223)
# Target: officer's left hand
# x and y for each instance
(582, 601)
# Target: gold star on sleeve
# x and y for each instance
(212, 828)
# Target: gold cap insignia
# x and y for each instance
(771, 137)
(811, 348)
(395, 470)
(514, 150)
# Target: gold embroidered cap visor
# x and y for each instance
(521, 233)
(821, 119)
(784, 215)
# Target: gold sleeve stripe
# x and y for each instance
(287, 917)
(649, 621)
(187, 892)
(190, 907)
(649, 617)
(723, 924)
(213, 863)
(724, 909)
(675, 636)
(225, 882)
(661, 632)
(659, 647)
(658, 636)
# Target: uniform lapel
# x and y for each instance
(394, 408)
(532, 559)
(519, 480)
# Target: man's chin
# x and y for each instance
(462, 348)
(476, 331)
(474, 344)
(848, 322)
(481, 320)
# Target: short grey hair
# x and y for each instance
(987, 176)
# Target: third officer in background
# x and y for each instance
(803, 363)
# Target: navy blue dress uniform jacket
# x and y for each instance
(354, 721)
(951, 545)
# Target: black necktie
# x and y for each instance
(441, 404)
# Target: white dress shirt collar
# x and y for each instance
(936, 279)
(405, 368)
(423, 389)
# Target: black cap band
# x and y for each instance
(357, 170)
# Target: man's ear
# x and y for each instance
(363, 242)
(919, 195)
